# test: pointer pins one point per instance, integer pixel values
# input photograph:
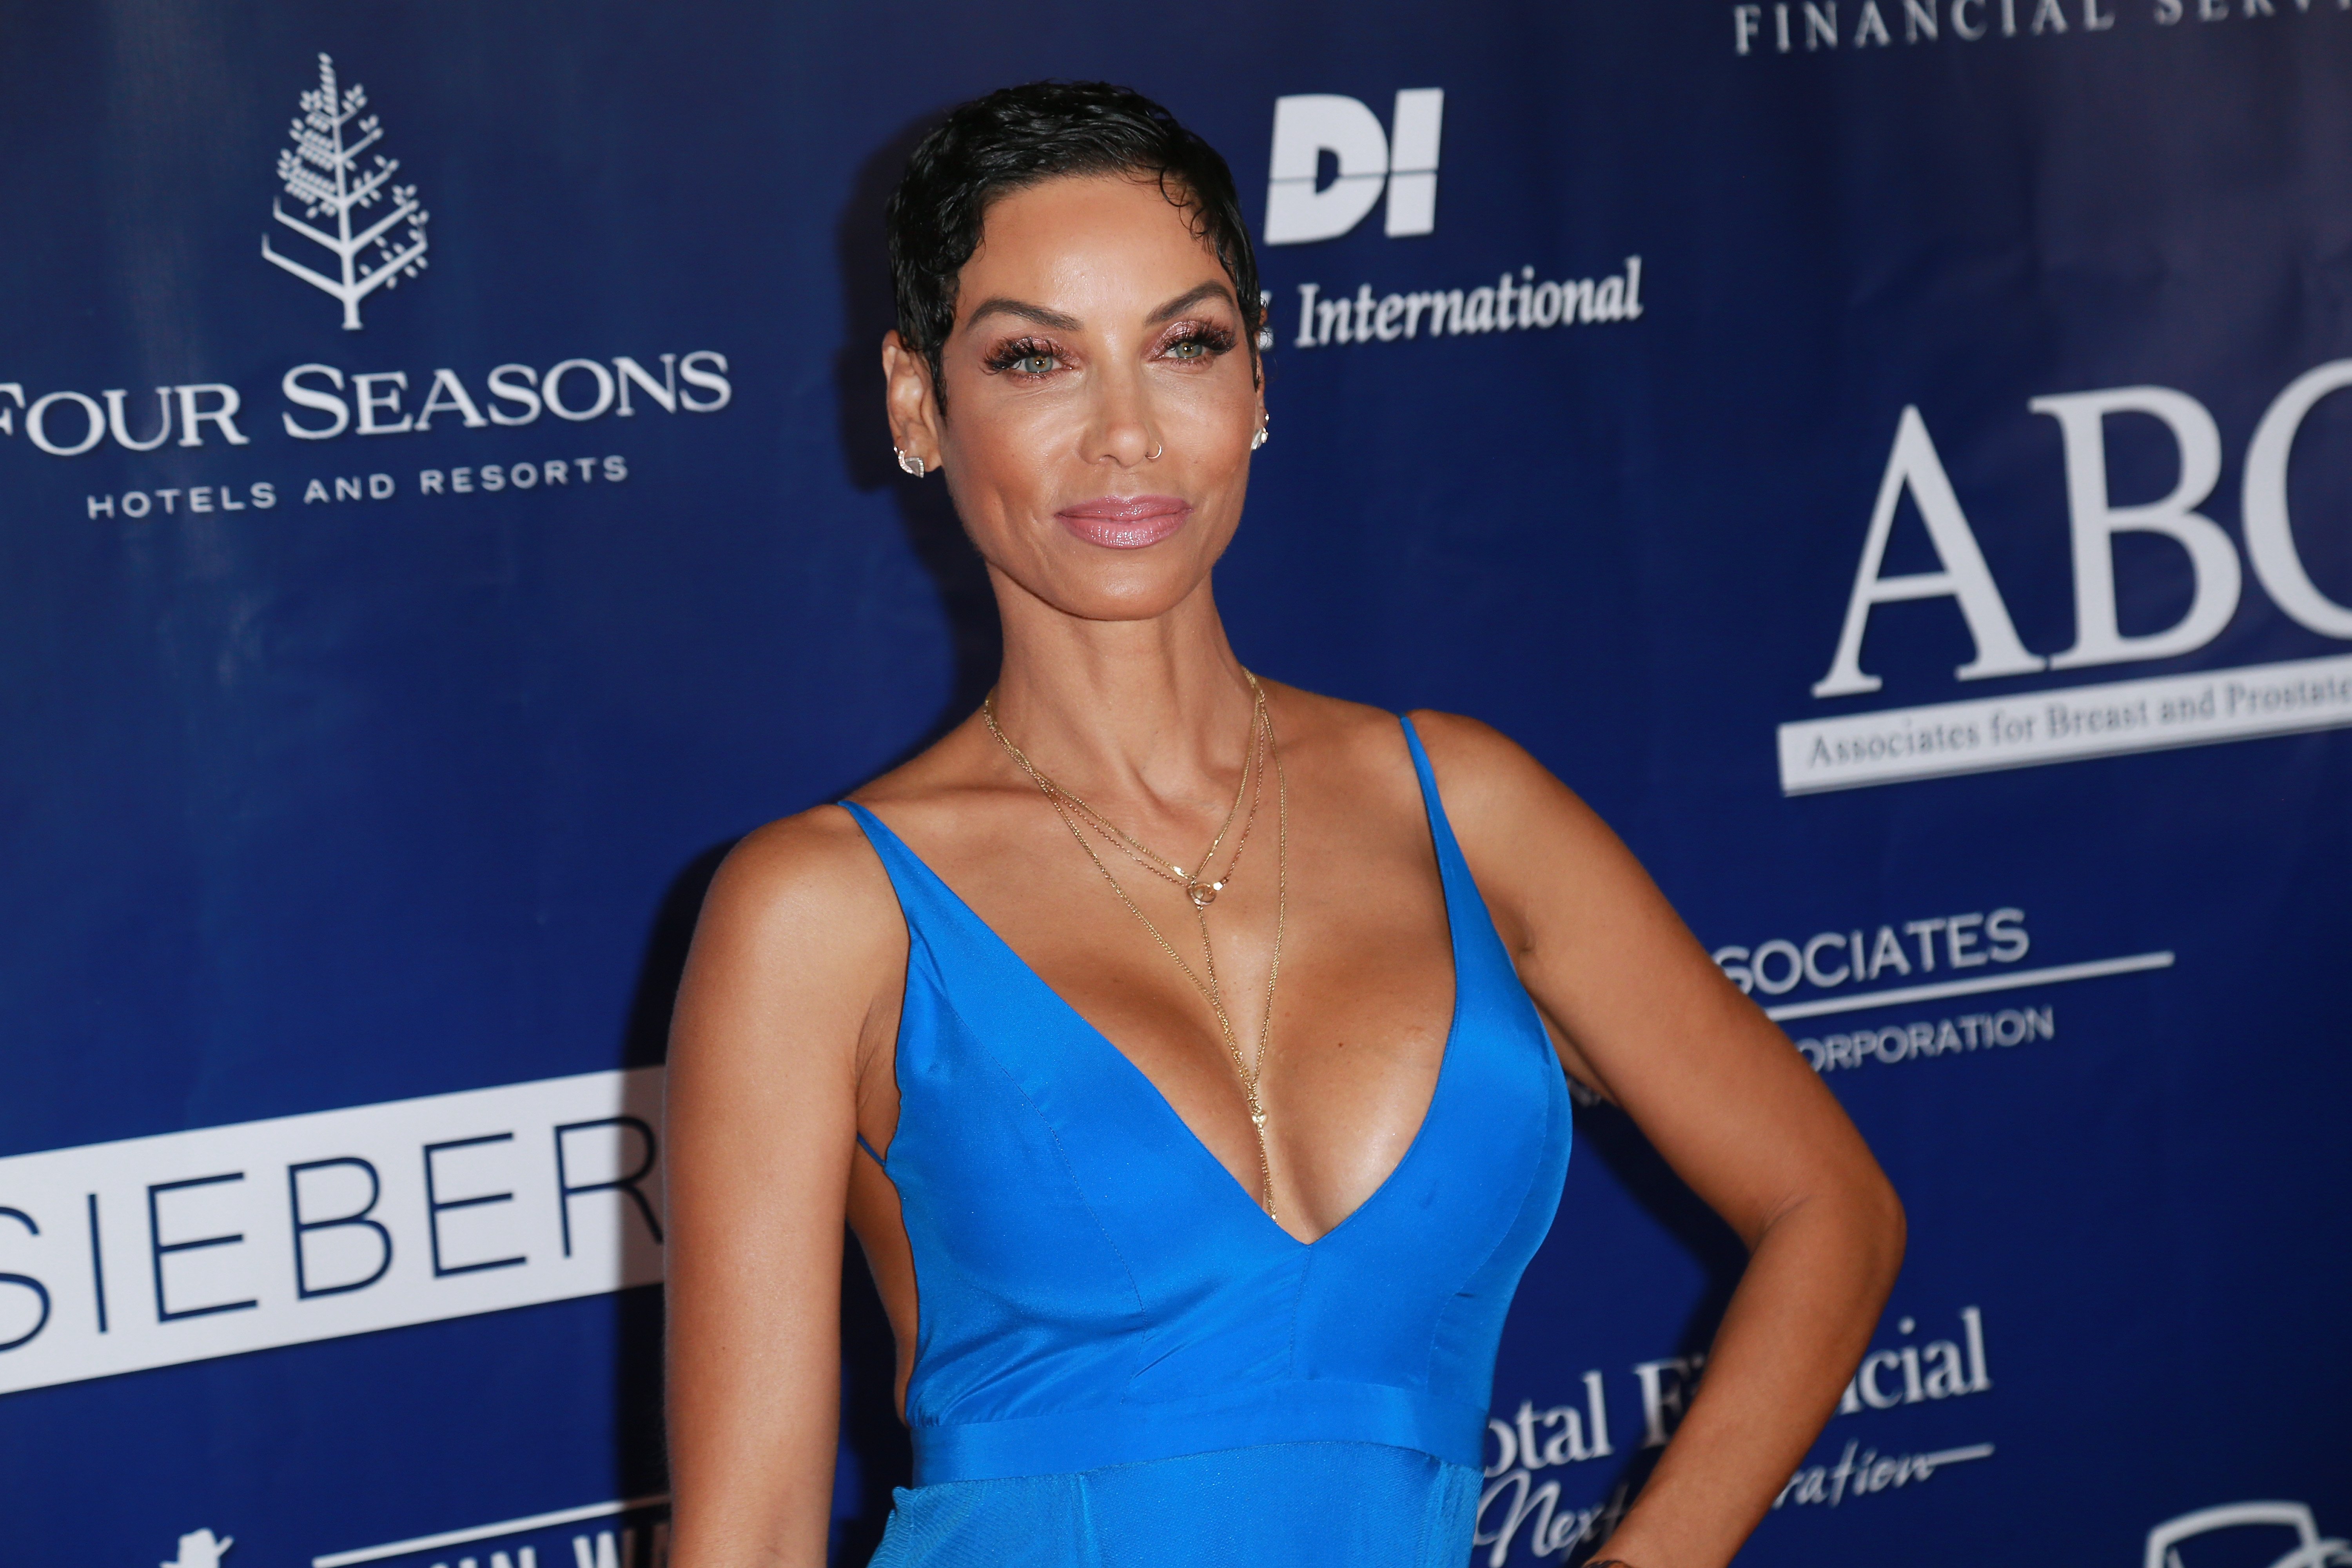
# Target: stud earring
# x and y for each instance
(910, 463)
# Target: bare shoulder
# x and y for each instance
(1484, 775)
(813, 867)
(1540, 855)
(800, 931)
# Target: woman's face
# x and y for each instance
(1100, 398)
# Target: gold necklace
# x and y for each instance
(1262, 740)
(1197, 884)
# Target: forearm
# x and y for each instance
(753, 1444)
(1796, 1326)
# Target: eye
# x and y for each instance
(1028, 358)
(1195, 342)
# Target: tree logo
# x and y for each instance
(321, 170)
(201, 1548)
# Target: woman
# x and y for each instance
(1196, 1182)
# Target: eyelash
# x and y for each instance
(1013, 353)
(1213, 341)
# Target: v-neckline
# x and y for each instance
(1225, 1178)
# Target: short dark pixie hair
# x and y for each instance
(1020, 136)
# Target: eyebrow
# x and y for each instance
(1191, 297)
(1025, 311)
(1059, 322)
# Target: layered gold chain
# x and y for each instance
(1200, 890)
(1197, 884)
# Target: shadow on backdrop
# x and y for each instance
(933, 533)
(1608, 1133)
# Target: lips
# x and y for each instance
(1126, 522)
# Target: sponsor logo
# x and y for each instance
(348, 207)
(1941, 1370)
(201, 1548)
(1812, 27)
(1892, 746)
(1832, 958)
(1401, 161)
(1512, 304)
(321, 170)
(1980, 950)
(2288, 1525)
(324, 404)
(637, 1536)
(1300, 205)
(1537, 1440)
(156, 1251)
(1861, 1471)
(1920, 1039)
(1522, 1504)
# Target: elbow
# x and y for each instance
(1855, 1225)
(1884, 1230)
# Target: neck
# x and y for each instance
(1156, 710)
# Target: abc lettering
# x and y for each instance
(1915, 468)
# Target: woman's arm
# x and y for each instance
(777, 1015)
(1645, 1017)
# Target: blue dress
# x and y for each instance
(1120, 1358)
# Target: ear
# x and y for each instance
(907, 399)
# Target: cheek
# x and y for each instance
(1007, 438)
(999, 462)
(1215, 413)
(1216, 424)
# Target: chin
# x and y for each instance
(1123, 591)
(1096, 585)
(1092, 582)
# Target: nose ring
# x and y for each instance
(1156, 450)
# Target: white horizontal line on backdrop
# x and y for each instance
(1980, 983)
(1954, 1456)
(2065, 724)
(485, 1531)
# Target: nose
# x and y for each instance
(1119, 424)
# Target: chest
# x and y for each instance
(1338, 920)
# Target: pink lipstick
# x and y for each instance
(1126, 522)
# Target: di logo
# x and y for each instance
(1400, 161)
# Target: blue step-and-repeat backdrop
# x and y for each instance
(1893, 456)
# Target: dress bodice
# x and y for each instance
(1096, 1289)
